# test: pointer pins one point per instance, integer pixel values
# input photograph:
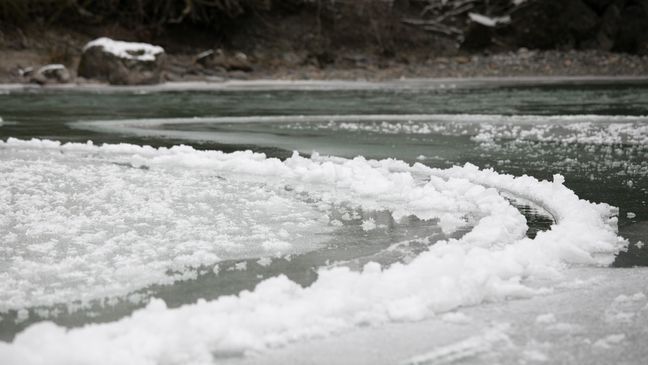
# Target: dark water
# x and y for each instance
(614, 173)
(46, 114)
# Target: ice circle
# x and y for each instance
(120, 217)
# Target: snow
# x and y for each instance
(369, 224)
(264, 261)
(51, 67)
(95, 227)
(456, 317)
(464, 349)
(126, 50)
(546, 318)
(610, 340)
(489, 21)
(631, 215)
(493, 262)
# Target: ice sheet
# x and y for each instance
(494, 262)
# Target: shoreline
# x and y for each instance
(335, 84)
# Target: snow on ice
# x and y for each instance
(66, 198)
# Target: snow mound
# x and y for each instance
(127, 50)
(493, 262)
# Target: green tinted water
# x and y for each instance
(615, 172)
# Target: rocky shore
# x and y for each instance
(346, 40)
(15, 68)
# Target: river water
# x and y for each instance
(595, 134)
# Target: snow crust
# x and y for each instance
(126, 50)
(493, 262)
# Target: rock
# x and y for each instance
(462, 60)
(238, 61)
(25, 72)
(122, 63)
(206, 58)
(292, 58)
(51, 74)
(598, 5)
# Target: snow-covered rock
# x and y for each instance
(125, 63)
(51, 74)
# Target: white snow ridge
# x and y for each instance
(128, 50)
(78, 211)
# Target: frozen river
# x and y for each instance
(408, 222)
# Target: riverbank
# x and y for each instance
(522, 63)
(333, 84)
(24, 51)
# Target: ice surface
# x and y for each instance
(579, 322)
(128, 50)
(467, 348)
(81, 226)
(494, 262)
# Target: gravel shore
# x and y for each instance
(520, 63)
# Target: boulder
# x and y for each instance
(51, 74)
(237, 61)
(122, 63)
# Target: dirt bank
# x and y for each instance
(293, 47)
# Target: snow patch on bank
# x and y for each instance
(493, 262)
(126, 50)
